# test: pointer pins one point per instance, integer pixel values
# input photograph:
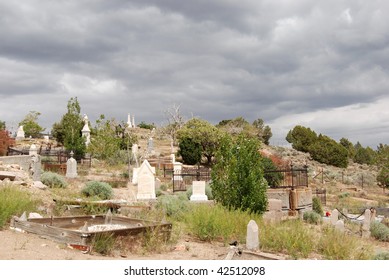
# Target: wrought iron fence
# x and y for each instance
(184, 179)
(287, 178)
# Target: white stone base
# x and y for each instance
(198, 197)
(145, 196)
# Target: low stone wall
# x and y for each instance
(28, 163)
(23, 161)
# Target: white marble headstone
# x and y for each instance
(198, 191)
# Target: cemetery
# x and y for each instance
(156, 193)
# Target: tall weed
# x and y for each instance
(13, 202)
(336, 245)
(289, 237)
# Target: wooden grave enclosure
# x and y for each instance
(73, 230)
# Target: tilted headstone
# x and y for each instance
(71, 167)
(334, 217)
(146, 181)
(252, 238)
(198, 191)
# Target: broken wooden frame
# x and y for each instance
(73, 230)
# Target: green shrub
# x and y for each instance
(13, 202)
(103, 243)
(172, 205)
(98, 189)
(312, 217)
(190, 151)
(383, 256)
(317, 206)
(379, 231)
(237, 177)
(208, 192)
(344, 195)
(53, 180)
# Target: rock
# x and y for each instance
(34, 215)
(39, 185)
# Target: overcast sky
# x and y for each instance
(320, 64)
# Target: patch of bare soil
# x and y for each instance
(27, 246)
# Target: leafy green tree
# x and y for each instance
(273, 178)
(30, 124)
(328, 151)
(2, 125)
(190, 151)
(263, 131)
(301, 138)
(363, 155)
(383, 165)
(203, 133)
(349, 147)
(146, 125)
(104, 139)
(237, 176)
(109, 138)
(68, 131)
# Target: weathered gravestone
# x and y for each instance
(198, 191)
(150, 145)
(35, 167)
(339, 225)
(366, 223)
(146, 181)
(252, 239)
(71, 167)
(334, 217)
(20, 133)
(86, 130)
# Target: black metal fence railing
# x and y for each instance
(184, 179)
(287, 178)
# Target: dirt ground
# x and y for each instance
(27, 246)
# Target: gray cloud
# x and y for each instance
(275, 60)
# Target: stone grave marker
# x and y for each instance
(334, 217)
(71, 167)
(20, 133)
(35, 166)
(146, 181)
(366, 223)
(339, 225)
(198, 191)
(252, 239)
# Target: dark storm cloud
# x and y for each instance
(286, 62)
